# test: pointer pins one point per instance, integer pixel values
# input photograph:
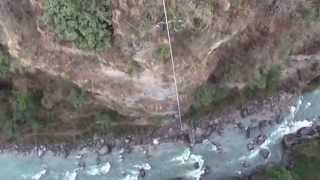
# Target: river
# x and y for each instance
(167, 161)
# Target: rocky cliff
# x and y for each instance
(232, 45)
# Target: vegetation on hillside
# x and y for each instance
(85, 23)
(209, 94)
(268, 79)
(306, 164)
(163, 53)
(77, 97)
(5, 64)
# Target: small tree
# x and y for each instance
(86, 23)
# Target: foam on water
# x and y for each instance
(132, 175)
(39, 175)
(183, 157)
(197, 173)
(307, 105)
(144, 166)
(286, 127)
(211, 146)
(71, 175)
(95, 170)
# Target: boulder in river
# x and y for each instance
(245, 164)
(263, 124)
(265, 153)
(177, 178)
(241, 127)
(142, 173)
(104, 150)
(250, 146)
(289, 140)
(196, 165)
(156, 141)
(279, 119)
(317, 128)
(260, 139)
(248, 132)
(306, 131)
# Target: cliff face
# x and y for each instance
(225, 43)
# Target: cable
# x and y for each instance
(172, 62)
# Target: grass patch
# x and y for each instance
(86, 23)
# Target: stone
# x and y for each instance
(265, 153)
(289, 140)
(317, 128)
(142, 173)
(196, 165)
(41, 151)
(156, 141)
(184, 137)
(260, 139)
(271, 123)
(248, 132)
(205, 172)
(245, 164)
(82, 164)
(177, 178)
(250, 146)
(218, 146)
(306, 131)
(263, 124)
(279, 119)
(241, 127)
(104, 150)
(199, 132)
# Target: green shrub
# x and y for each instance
(279, 174)
(178, 19)
(210, 94)
(26, 106)
(86, 23)
(7, 125)
(268, 79)
(77, 97)
(273, 78)
(163, 52)
(311, 14)
(307, 159)
(134, 67)
(105, 120)
(261, 79)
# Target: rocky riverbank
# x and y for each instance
(301, 157)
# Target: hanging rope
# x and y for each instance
(172, 63)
